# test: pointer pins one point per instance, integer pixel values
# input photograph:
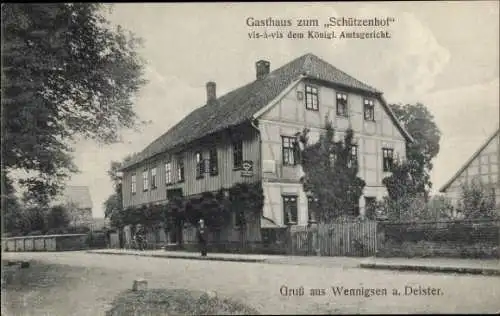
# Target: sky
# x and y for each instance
(444, 55)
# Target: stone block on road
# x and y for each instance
(140, 285)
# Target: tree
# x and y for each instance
(405, 200)
(57, 217)
(114, 202)
(65, 74)
(33, 219)
(11, 208)
(330, 173)
(113, 206)
(419, 122)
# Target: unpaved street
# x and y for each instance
(87, 283)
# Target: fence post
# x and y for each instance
(290, 239)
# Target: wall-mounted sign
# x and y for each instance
(247, 168)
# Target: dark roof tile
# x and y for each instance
(240, 104)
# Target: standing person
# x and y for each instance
(202, 237)
(139, 237)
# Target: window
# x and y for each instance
(145, 183)
(237, 154)
(312, 98)
(354, 156)
(312, 207)
(180, 169)
(369, 110)
(213, 162)
(168, 172)
(134, 184)
(200, 167)
(341, 104)
(153, 178)
(290, 209)
(288, 148)
(388, 158)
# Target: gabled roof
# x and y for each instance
(239, 105)
(459, 172)
(79, 195)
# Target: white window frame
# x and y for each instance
(133, 183)
(145, 180)
(168, 172)
(342, 102)
(153, 178)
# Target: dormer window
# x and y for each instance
(312, 100)
(341, 104)
(369, 110)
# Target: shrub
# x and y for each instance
(176, 302)
(57, 231)
(476, 201)
(57, 217)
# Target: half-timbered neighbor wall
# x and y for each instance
(482, 166)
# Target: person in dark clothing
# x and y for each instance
(139, 237)
(202, 237)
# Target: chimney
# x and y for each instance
(211, 92)
(262, 68)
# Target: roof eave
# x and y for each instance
(180, 145)
(468, 162)
(280, 96)
(403, 130)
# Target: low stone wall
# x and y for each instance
(428, 249)
(453, 239)
(45, 243)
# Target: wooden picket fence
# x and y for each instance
(349, 238)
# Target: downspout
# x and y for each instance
(252, 122)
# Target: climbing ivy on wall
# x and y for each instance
(246, 199)
(215, 209)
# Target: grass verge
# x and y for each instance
(175, 302)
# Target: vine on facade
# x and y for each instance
(244, 199)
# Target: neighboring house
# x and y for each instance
(77, 200)
(256, 123)
(482, 166)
